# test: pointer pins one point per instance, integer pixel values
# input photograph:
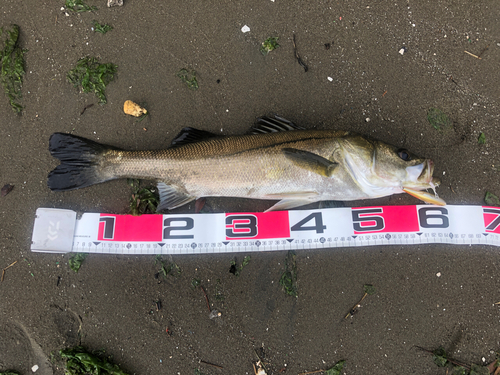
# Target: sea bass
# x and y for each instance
(276, 161)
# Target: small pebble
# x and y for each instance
(245, 29)
(131, 108)
(330, 79)
(438, 274)
(34, 368)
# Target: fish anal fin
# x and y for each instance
(287, 204)
(172, 197)
(191, 135)
(310, 161)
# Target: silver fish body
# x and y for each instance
(279, 162)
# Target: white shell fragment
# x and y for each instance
(258, 369)
(34, 368)
(330, 79)
(245, 29)
(115, 3)
(131, 108)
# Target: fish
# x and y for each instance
(277, 160)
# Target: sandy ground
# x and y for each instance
(110, 303)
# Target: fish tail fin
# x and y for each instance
(79, 162)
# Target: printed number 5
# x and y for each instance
(372, 222)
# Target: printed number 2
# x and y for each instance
(189, 224)
(318, 223)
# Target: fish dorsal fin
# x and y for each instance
(273, 125)
(191, 135)
(310, 161)
(172, 197)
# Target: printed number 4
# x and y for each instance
(318, 223)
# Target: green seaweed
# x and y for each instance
(80, 362)
(479, 370)
(481, 139)
(219, 292)
(369, 289)
(92, 76)
(143, 200)
(439, 357)
(168, 268)
(491, 199)
(269, 45)
(76, 260)
(195, 283)
(79, 6)
(235, 269)
(189, 78)
(438, 119)
(336, 369)
(12, 66)
(289, 277)
(103, 29)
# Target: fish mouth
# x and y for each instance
(426, 181)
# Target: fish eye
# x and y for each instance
(403, 154)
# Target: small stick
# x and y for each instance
(385, 92)
(471, 54)
(206, 298)
(261, 361)
(85, 108)
(311, 372)
(448, 359)
(3, 271)
(299, 60)
(211, 364)
(355, 306)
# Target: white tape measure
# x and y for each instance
(57, 230)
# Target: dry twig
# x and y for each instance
(471, 54)
(3, 271)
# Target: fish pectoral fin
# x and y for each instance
(287, 204)
(310, 161)
(172, 197)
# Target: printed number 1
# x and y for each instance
(108, 232)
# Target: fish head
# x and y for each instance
(381, 169)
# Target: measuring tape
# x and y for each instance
(57, 230)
